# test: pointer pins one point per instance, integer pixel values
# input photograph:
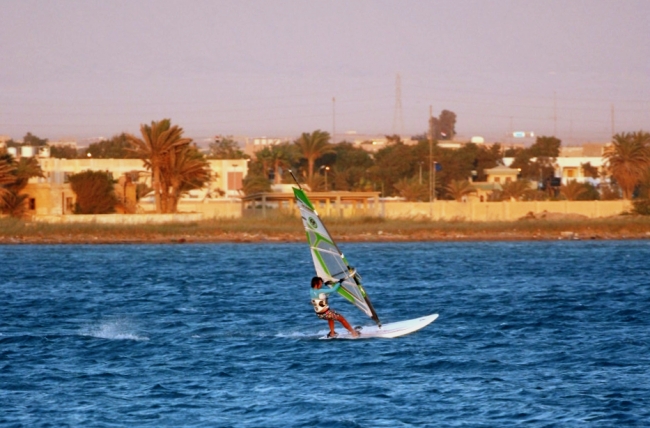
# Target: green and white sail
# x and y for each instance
(329, 261)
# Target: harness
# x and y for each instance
(320, 303)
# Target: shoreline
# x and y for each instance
(256, 238)
(287, 230)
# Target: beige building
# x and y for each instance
(52, 194)
(496, 178)
(501, 174)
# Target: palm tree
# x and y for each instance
(255, 183)
(186, 169)
(628, 158)
(13, 179)
(6, 177)
(573, 190)
(412, 189)
(157, 141)
(275, 157)
(459, 188)
(313, 146)
(515, 190)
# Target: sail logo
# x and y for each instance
(312, 223)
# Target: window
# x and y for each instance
(235, 180)
(32, 204)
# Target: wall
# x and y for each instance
(208, 209)
(121, 218)
(501, 211)
(439, 210)
(50, 198)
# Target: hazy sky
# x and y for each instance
(271, 68)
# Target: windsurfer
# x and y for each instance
(323, 311)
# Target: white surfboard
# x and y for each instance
(387, 331)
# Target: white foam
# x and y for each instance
(294, 335)
(113, 330)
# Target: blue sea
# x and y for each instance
(537, 334)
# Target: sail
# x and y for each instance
(329, 261)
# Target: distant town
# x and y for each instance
(160, 170)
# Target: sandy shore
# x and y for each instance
(290, 229)
(261, 237)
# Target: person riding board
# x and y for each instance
(323, 311)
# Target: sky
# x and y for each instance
(579, 70)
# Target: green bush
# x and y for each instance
(95, 192)
(641, 206)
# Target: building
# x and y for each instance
(254, 145)
(374, 143)
(496, 178)
(575, 162)
(501, 174)
(52, 194)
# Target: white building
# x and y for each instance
(569, 165)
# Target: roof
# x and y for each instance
(502, 170)
(313, 196)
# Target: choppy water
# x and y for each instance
(534, 334)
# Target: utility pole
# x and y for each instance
(333, 120)
(613, 122)
(554, 115)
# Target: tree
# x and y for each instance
(158, 140)
(453, 165)
(95, 192)
(255, 183)
(348, 167)
(33, 140)
(117, 147)
(516, 190)
(573, 190)
(589, 170)
(457, 189)
(225, 148)
(63, 152)
(536, 162)
(642, 202)
(412, 189)
(444, 126)
(275, 157)
(486, 158)
(313, 146)
(6, 176)
(14, 176)
(628, 158)
(185, 169)
(447, 121)
(548, 147)
(393, 163)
